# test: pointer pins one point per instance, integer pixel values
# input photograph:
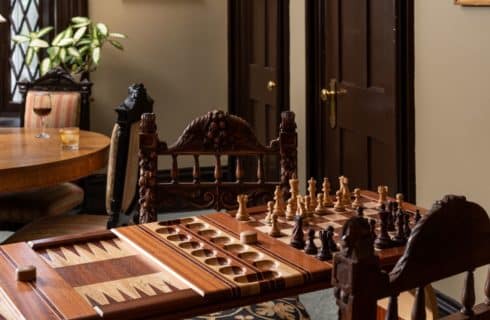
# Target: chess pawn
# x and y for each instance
(391, 220)
(301, 207)
(399, 200)
(339, 206)
(383, 240)
(312, 193)
(309, 210)
(400, 237)
(242, 212)
(383, 193)
(357, 198)
(327, 201)
(292, 207)
(325, 253)
(270, 209)
(406, 225)
(372, 224)
(278, 202)
(331, 242)
(311, 247)
(275, 231)
(320, 209)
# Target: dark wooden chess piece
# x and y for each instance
(418, 216)
(406, 225)
(383, 240)
(331, 242)
(400, 238)
(325, 253)
(390, 221)
(298, 237)
(394, 213)
(372, 223)
(360, 211)
(311, 247)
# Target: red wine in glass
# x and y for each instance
(42, 108)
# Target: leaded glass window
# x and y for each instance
(24, 18)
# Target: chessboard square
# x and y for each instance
(255, 224)
(371, 212)
(336, 217)
(263, 228)
(370, 205)
(319, 219)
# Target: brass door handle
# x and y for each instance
(271, 85)
(325, 93)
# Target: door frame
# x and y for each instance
(239, 52)
(405, 109)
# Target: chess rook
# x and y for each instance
(242, 212)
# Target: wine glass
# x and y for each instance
(42, 108)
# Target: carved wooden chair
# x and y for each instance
(122, 178)
(70, 100)
(70, 107)
(453, 238)
(217, 134)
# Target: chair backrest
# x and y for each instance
(454, 237)
(70, 100)
(215, 134)
(122, 171)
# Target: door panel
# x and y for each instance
(262, 72)
(358, 46)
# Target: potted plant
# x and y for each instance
(77, 49)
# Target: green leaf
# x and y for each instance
(74, 52)
(44, 31)
(84, 42)
(79, 34)
(65, 42)
(45, 66)
(29, 55)
(80, 19)
(117, 44)
(38, 43)
(68, 33)
(58, 38)
(96, 55)
(20, 38)
(118, 35)
(63, 55)
(83, 49)
(53, 52)
(102, 29)
(80, 25)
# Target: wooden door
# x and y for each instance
(259, 68)
(359, 123)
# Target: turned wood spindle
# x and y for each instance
(260, 168)
(239, 170)
(418, 309)
(174, 174)
(196, 170)
(392, 312)
(487, 289)
(468, 296)
(217, 169)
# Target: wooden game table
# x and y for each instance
(161, 270)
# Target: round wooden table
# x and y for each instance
(28, 162)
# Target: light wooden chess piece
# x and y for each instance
(270, 209)
(279, 207)
(312, 193)
(320, 209)
(399, 200)
(346, 196)
(327, 200)
(339, 206)
(292, 204)
(383, 194)
(242, 212)
(275, 231)
(309, 211)
(357, 198)
(301, 207)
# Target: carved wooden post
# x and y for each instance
(196, 170)
(288, 141)
(148, 168)
(356, 273)
(468, 296)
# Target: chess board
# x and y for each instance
(141, 270)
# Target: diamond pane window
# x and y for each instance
(24, 18)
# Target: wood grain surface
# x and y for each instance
(28, 162)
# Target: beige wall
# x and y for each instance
(452, 105)
(177, 48)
